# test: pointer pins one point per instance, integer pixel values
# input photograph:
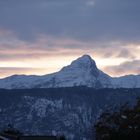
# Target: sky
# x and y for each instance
(42, 36)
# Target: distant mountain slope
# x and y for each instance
(81, 72)
(128, 81)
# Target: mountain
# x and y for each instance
(128, 81)
(81, 72)
(60, 111)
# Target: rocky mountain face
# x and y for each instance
(57, 111)
(81, 72)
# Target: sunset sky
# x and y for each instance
(42, 36)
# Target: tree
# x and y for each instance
(120, 124)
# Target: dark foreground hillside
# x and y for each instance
(68, 111)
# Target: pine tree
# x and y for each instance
(122, 124)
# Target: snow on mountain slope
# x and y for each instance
(18, 81)
(128, 81)
(81, 72)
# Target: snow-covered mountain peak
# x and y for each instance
(83, 63)
(83, 71)
(84, 58)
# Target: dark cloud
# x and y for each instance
(129, 67)
(80, 19)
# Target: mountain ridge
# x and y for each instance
(81, 72)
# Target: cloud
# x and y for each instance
(106, 20)
(127, 54)
(12, 48)
(90, 3)
(52, 53)
(129, 67)
(8, 71)
(51, 33)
